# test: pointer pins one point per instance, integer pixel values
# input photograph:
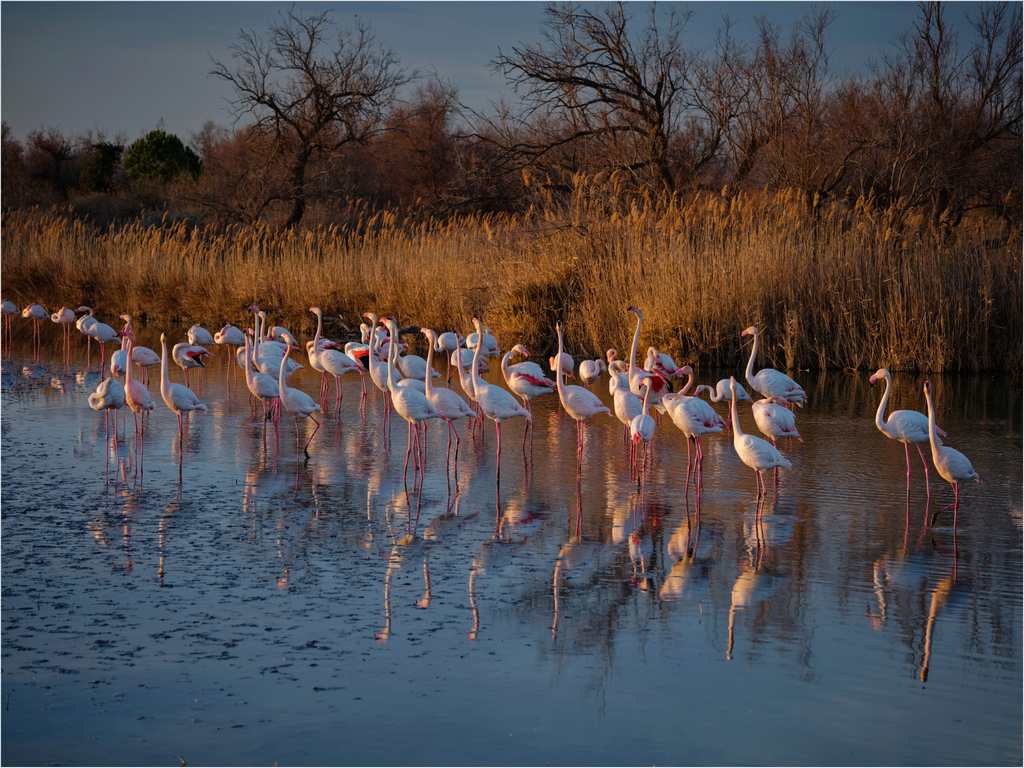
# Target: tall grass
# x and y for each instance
(844, 288)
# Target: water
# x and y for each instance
(266, 609)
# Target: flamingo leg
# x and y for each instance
(498, 425)
(408, 452)
(306, 449)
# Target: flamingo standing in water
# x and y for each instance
(102, 332)
(495, 403)
(721, 392)
(65, 317)
(952, 465)
(591, 370)
(136, 395)
(447, 342)
(109, 396)
(178, 398)
(660, 387)
(905, 426)
(526, 379)
(82, 323)
(333, 361)
(199, 336)
(642, 426)
(769, 381)
(261, 386)
(579, 402)
(35, 312)
(189, 356)
(411, 404)
(452, 407)
(232, 338)
(774, 419)
(760, 455)
(9, 310)
(296, 402)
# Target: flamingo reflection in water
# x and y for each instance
(755, 585)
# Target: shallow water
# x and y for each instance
(267, 609)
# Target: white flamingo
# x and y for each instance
(199, 336)
(136, 394)
(333, 361)
(774, 419)
(9, 310)
(660, 387)
(189, 356)
(178, 398)
(641, 428)
(905, 426)
(260, 385)
(452, 407)
(296, 402)
(109, 396)
(579, 402)
(952, 465)
(591, 370)
(769, 381)
(64, 317)
(760, 455)
(35, 312)
(495, 403)
(411, 404)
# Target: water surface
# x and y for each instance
(267, 609)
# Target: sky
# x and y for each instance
(126, 68)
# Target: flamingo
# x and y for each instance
(447, 342)
(952, 465)
(490, 344)
(261, 385)
(760, 455)
(591, 370)
(618, 377)
(415, 367)
(82, 323)
(136, 395)
(769, 381)
(567, 363)
(452, 407)
(526, 378)
(660, 362)
(101, 332)
(580, 403)
(35, 312)
(296, 402)
(905, 426)
(9, 310)
(625, 405)
(199, 336)
(694, 418)
(229, 336)
(642, 425)
(189, 356)
(636, 375)
(411, 404)
(145, 358)
(333, 361)
(178, 398)
(774, 419)
(65, 317)
(109, 396)
(280, 334)
(401, 379)
(495, 403)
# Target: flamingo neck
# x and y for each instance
(282, 388)
(737, 432)
(428, 385)
(750, 362)
(689, 383)
(632, 349)
(165, 379)
(880, 413)
(392, 349)
(558, 363)
(475, 373)
(931, 425)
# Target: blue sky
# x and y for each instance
(123, 67)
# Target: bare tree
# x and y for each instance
(597, 95)
(313, 94)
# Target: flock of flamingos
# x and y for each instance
(265, 356)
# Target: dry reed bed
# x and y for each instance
(845, 290)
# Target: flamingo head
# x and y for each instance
(126, 318)
(928, 389)
(315, 310)
(429, 334)
(83, 308)
(880, 373)
(685, 370)
(163, 336)
(751, 331)
(521, 350)
(611, 354)
(637, 312)
(126, 335)
(254, 309)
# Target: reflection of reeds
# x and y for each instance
(844, 288)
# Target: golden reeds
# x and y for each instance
(843, 287)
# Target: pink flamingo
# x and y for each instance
(136, 395)
(411, 404)
(952, 465)
(760, 455)
(660, 387)
(591, 370)
(769, 381)
(495, 403)
(333, 361)
(296, 402)
(580, 403)
(9, 310)
(179, 399)
(452, 407)
(109, 396)
(189, 356)
(102, 332)
(642, 426)
(260, 385)
(525, 378)
(65, 317)
(774, 419)
(36, 313)
(905, 426)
